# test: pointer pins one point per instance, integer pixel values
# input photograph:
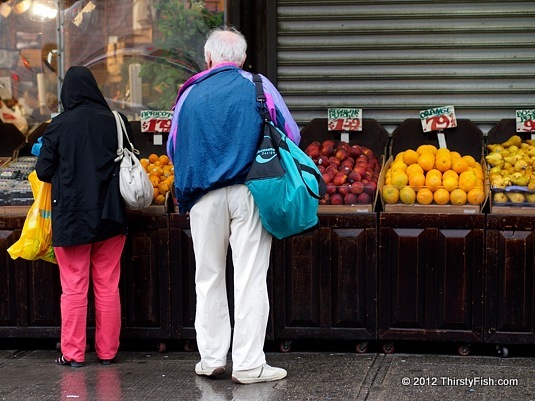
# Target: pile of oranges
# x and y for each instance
(429, 175)
(161, 174)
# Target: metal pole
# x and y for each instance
(60, 34)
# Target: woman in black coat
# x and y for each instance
(88, 215)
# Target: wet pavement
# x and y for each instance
(150, 375)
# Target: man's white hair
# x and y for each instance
(225, 44)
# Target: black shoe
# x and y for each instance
(64, 362)
(107, 362)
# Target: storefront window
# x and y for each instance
(140, 51)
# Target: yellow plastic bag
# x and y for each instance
(35, 241)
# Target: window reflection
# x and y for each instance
(140, 51)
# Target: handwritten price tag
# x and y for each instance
(156, 121)
(438, 118)
(344, 119)
(525, 120)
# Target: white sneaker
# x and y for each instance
(264, 373)
(208, 371)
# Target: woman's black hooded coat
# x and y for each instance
(77, 157)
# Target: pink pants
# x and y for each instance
(102, 262)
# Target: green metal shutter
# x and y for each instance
(395, 58)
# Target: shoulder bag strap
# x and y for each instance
(261, 97)
(121, 130)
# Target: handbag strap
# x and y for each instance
(121, 130)
(261, 97)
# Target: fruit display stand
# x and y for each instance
(324, 281)
(431, 260)
(510, 265)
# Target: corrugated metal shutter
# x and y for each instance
(395, 58)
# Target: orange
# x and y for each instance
(163, 187)
(426, 161)
(390, 194)
(155, 180)
(156, 170)
(476, 196)
(416, 181)
(433, 181)
(426, 148)
(459, 165)
(414, 168)
(470, 160)
(155, 193)
(450, 173)
(153, 158)
(441, 196)
(450, 183)
(410, 156)
(467, 181)
(443, 162)
(398, 166)
(454, 155)
(458, 197)
(145, 163)
(400, 179)
(424, 196)
(407, 195)
(478, 170)
(164, 159)
(399, 156)
(443, 151)
(160, 199)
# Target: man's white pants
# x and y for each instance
(222, 217)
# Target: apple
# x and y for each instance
(355, 151)
(335, 160)
(350, 199)
(353, 176)
(327, 150)
(356, 188)
(345, 169)
(343, 145)
(313, 151)
(331, 188)
(329, 142)
(360, 169)
(331, 169)
(368, 152)
(370, 188)
(341, 154)
(364, 198)
(323, 161)
(343, 189)
(321, 168)
(327, 177)
(349, 161)
(337, 199)
(339, 179)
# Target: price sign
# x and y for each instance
(156, 121)
(344, 119)
(438, 118)
(525, 120)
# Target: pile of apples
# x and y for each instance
(350, 172)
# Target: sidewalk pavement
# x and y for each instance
(28, 375)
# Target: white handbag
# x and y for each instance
(136, 189)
